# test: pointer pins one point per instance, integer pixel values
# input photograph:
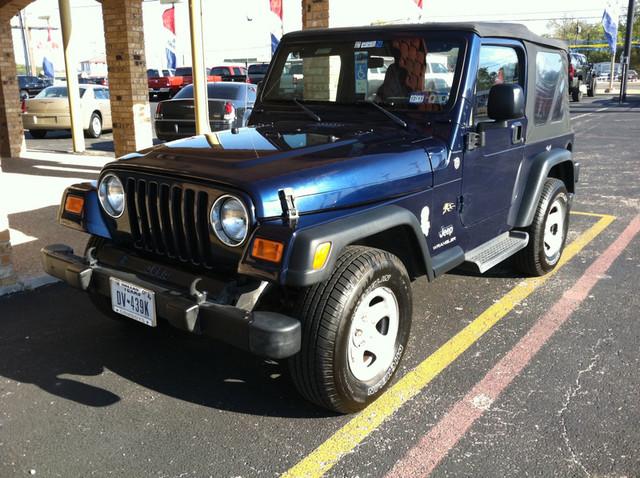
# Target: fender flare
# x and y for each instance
(343, 232)
(523, 211)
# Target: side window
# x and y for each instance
(551, 87)
(498, 65)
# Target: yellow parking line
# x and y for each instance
(590, 214)
(358, 428)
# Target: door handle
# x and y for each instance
(517, 136)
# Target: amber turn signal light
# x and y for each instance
(74, 204)
(267, 250)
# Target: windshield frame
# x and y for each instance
(286, 47)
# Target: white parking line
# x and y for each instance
(587, 114)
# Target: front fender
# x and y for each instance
(343, 232)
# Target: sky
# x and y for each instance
(242, 28)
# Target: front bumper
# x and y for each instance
(267, 334)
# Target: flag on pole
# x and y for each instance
(610, 24)
(169, 23)
(48, 49)
(276, 7)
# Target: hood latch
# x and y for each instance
(288, 204)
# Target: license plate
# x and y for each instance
(133, 301)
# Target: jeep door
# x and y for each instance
(490, 170)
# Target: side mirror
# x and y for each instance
(506, 102)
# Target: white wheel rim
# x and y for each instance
(554, 230)
(373, 333)
(95, 124)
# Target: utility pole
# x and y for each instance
(626, 53)
(27, 60)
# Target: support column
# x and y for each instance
(71, 69)
(11, 132)
(199, 70)
(124, 39)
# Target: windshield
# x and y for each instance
(406, 73)
(57, 92)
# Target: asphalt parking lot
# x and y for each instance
(502, 377)
(60, 141)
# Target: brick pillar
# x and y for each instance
(11, 133)
(124, 39)
(320, 74)
(315, 14)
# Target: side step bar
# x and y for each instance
(493, 252)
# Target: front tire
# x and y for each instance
(38, 133)
(356, 326)
(548, 231)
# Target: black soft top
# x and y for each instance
(483, 29)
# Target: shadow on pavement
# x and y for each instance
(48, 168)
(53, 333)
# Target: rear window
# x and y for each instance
(220, 71)
(57, 92)
(183, 71)
(223, 91)
(258, 69)
(551, 88)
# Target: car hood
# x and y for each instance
(326, 165)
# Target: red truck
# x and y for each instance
(166, 83)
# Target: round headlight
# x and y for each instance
(230, 220)
(111, 195)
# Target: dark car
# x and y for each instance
(581, 77)
(30, 86)
(257, 72)
(298, 236)
(230, 105)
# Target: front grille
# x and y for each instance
(170, 220)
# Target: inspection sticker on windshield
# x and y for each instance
(369, 44)
(417, 98)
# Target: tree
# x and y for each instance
(576, 32)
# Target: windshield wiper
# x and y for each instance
(310, 113)
(396, 119)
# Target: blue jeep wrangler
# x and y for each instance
(373, 156)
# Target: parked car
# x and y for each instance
(602, 71)
(632, 75)
(184, 77)
(581, 77)
(230, 72)
(298, 236)
(257, 72)
(49, 111)
(93, 80)
(161, 82)
(230, 105)
(32, 85)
